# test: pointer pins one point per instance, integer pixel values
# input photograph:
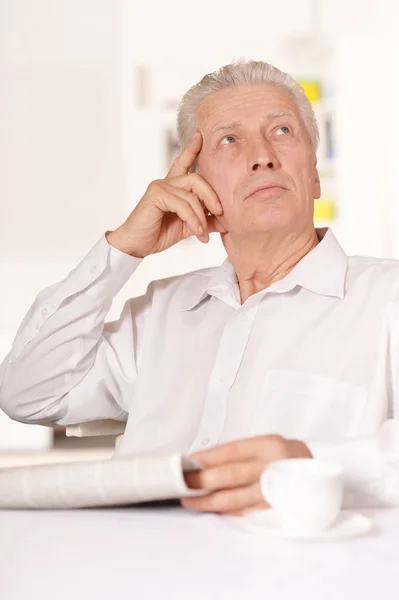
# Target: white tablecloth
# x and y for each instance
(171, 553)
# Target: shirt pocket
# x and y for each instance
(306, 406)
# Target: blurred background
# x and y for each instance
(88, 98)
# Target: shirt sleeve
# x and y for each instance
(65, 365)
(370, 466)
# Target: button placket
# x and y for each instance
(228, 360)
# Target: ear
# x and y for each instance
(316, 184)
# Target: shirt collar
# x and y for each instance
(322, 270)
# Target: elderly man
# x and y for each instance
(289, 349)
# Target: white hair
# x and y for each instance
(242, 73)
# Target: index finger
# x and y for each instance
(244, 449)
(185, 160)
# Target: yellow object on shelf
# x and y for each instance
(324, 210)
(312, 89)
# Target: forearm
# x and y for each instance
(57, 342)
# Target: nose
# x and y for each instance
(261, 156)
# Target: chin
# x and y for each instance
(272, 219)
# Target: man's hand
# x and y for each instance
(231, 473)
(171, 210)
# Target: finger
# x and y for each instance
(265, 446)
(210, 223)
(214, 225)
(226, 501)
(171, 203)
(194, 202)
(246, 511)
(195, 183)
(186, 159)
(230, 475)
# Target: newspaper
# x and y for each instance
(107, 482)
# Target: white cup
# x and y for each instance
(305, 493)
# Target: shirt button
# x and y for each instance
(205, 441)
(244, 317)
(93, 269)
(44, 312)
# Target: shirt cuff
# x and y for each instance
(102, 273)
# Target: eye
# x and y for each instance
(227, 140)
(284, 130)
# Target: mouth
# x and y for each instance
(269, 190)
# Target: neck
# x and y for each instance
(260, 260)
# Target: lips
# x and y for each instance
(271, 185)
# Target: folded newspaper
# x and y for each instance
(108, 482)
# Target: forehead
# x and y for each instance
(244, 102)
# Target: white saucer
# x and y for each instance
(349, 524)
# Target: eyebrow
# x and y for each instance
(269, 117)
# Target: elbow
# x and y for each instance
(30, 394)
(34, 411)
(34, 405)
(14, 408)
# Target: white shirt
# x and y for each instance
(314, 357)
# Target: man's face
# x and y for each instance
(254, 137)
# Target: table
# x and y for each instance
(172, 553)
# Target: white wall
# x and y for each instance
(368, 203)
(62, 181)
(168, 30)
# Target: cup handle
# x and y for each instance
(266, 485)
